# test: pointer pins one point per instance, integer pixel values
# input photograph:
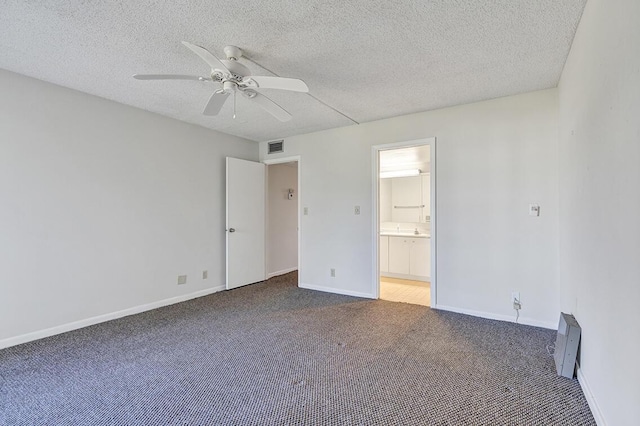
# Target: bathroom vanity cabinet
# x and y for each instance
(406, 257)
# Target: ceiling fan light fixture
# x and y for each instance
(229, 86)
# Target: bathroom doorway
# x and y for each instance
(405, 231)
(282, 216)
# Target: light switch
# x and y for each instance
(534, 210)
(356, 210)
(306, 211)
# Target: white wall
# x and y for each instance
(385, 200)
(103, 205)
(493, 159)
(599, 96)
(282, 217)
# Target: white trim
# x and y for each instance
(591, 400)
(433, 223)
(35, 335)
(405, 277)
(375, 216)
(280, 160)
(282, 272)
(375, 195)
(499, 317)
(337, 291)
(226, 223)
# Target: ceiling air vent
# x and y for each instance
(276, 146)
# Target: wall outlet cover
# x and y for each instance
(182, 279)
(205, 275)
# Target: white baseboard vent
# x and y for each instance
(59, 329)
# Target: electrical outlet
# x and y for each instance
(306, 211)
(182, 279)
(356, 210)
(205, 275)
(333, 273)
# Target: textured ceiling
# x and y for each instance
(368, 59)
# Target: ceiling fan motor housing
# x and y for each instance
(237, 69)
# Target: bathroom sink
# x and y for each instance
(403, 234)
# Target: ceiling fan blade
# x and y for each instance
(282, 83)
(169, 77)
(207, 56)
(216, 101)
(271, 107)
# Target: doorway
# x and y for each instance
(404, 222)
(282, 216)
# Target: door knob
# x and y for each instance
(232, 230)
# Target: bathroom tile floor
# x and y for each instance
(407, 291)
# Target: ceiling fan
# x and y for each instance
(235, 77)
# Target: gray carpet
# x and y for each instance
(271, 353)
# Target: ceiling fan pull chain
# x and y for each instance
(234, 103)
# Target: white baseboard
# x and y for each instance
(35, 335)
(336, 290)
(282, 272)
(499, 317)
(588, 394)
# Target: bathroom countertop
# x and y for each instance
(404, 234)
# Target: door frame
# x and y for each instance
(280, 160)
(375, 209)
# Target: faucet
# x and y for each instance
(415, 232)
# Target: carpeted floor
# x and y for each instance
(271, 353)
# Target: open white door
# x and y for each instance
(245, 222)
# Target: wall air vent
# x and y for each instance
(276, 146)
